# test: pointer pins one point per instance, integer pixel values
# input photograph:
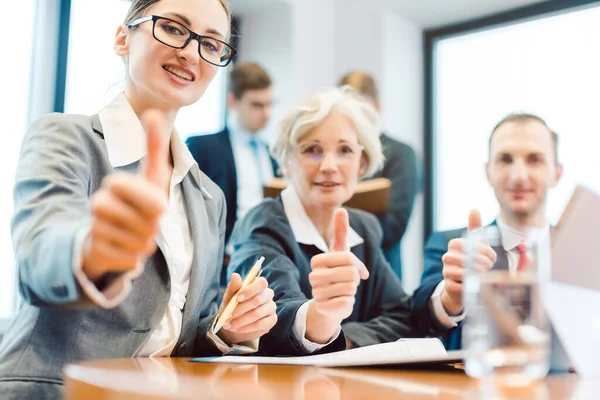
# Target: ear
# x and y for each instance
(487, 173)
(558, 174)
(362, 170)
(231, 101)
(122, 41)
(378, 106)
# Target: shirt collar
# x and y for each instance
(126, 141)
(512, 237)
(304, 230)
(239, 134)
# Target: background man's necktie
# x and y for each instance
(256, 150)
(522, 249)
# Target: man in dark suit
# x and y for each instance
(522, 167)
(400, 167)
(235, 158)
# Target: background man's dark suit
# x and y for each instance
(436, 247)
(214, 155)
(401, 168)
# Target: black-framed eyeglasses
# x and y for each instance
(174, 34)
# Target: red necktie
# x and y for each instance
(522, 249)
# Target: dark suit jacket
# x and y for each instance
(436, 247)
(214, 156)
(401, 168)
(62, 163)
(382, 309)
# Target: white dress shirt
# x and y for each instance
(252, 173)
(533, 237)
(126, 143)
(305, 232)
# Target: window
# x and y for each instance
(95, 75)
(549, 67)
(16, 79)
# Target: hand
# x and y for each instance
(126, 209)
(454, 262)
(255, 314)
(334, 279)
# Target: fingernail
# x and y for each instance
(241, 298)
(227, 326)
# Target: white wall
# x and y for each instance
(307, 51)
(401, 89)
(266, 38)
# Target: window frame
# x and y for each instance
(430, 38)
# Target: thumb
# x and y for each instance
(474, 220)
(234, 285)
(340, 230)
(154, 124)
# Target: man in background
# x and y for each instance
(400, 167)
(522, 167)
(235, 158)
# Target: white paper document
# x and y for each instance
(404, 351)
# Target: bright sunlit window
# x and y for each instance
(95, 74)
(549, 67)
(16, 77)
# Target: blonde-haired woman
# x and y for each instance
(333, 288)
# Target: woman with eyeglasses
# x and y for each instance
(325, 262)
(118, 236)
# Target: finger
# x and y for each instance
(111, 209)
(474, 220)
(481, 262)
(256, 301)
(235, 283)
(244, 322)
(146, 199)
(335, 304)
(113, 258)
(326, 277)
(121, 238)
(334, 290)
(334, 259)
(488, 252)
(458, 245)
(259, 285)
(258, 328)
(341, 225)
(455, 274)
(337, 259)
(454, 288)
(154, 123)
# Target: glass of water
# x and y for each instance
(506, 334)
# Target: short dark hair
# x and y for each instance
(522, 118)
(248, 76)
(363, 83)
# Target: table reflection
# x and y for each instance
(166, 378)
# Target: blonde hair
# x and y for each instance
(138, 7)
(315, 109)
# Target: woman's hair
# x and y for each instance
(345, 101)
(138, 7)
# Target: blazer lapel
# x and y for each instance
(502, 257)
(200, 277)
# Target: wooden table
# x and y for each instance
(171, 378)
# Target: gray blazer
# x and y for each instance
(63, 161)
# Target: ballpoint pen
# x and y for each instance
(228, 311)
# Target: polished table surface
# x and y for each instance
(172, 378)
